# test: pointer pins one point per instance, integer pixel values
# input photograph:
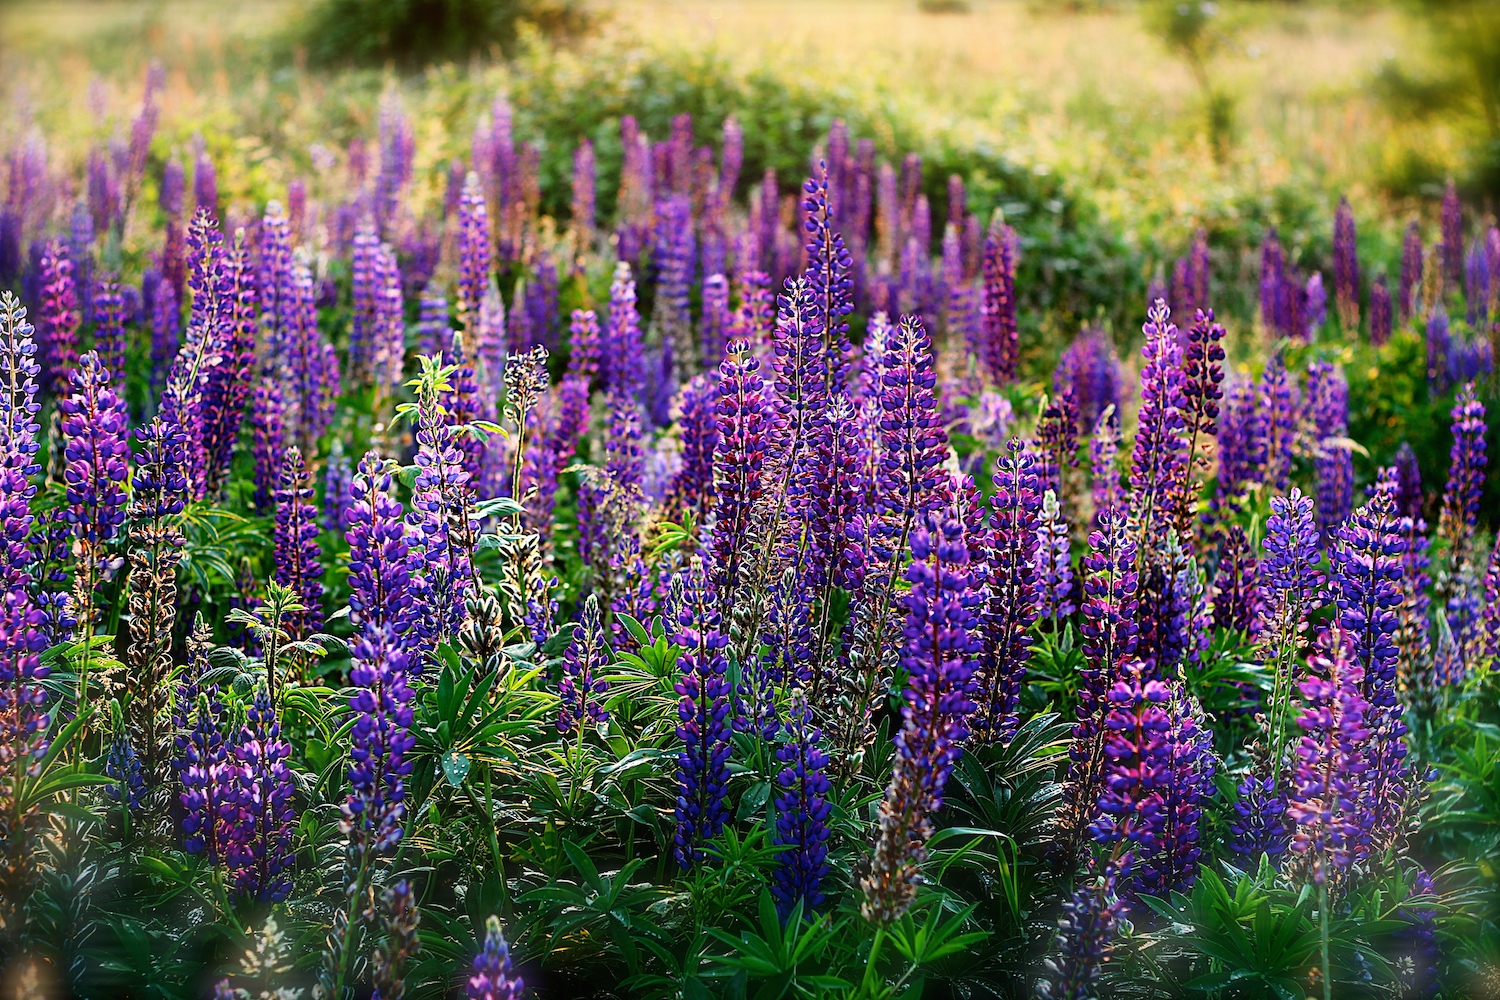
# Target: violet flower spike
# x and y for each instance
(703, 708)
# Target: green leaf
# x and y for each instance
(455, 767)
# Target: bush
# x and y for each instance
(414, 33)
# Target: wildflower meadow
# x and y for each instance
(502, 545)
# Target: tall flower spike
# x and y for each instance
(1330, 761)
(19, 370)
(623, 366)
(1451, 248)
(1202, 389)
(1381, 321)
(374, 810)
(94, 426)
(1236, 600)
(1346, 266)
(1086, 933)
(802, 812)
(1011, 607)
(109, 322)
(581, 686)
(493, 977)
(739, 459)
(998, 305)
(585, 354)
(1466, 466)
(265, 813)
(584, 180)
(1411, 270)
(159, 494)
(939, 651)
(1104, 450)
(702, 711)
(379, 574)
(58, 316)
(296, 544)
(1054, 560)
(829, 268)
(473, 251)
(1109, 634)
(1328, 403)
(1159, 458)
(1279, 405)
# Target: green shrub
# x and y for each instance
(413, 33)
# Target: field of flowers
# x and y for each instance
(633, 529)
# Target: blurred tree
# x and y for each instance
(1195, 30)
(414, 33)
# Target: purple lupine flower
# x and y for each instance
(674, 253)
(1367, 569)
(1451, 249)
(541, 301)
(1477, 282)
(1291, 589)
(337, 474)
(397, 146)
(473, 251)
(1411, 270)
(205, 185)
(1328, 410)
(1202, 389)
(173, 266)
(366, 245)
(716, 319)
(1259, 825)
(1015, 594)
(828, 279)
(912, 439)
(1109, 636)
(692, 487)
(441, 528)
(1272, 278)
(1413, 638)
(268, 439)
(1236, 600)
(587, 656)
(1159, 457)
(1410, 499)
(788, 660)
(585, 350)
(801, 400)
(109, 324)
(1380, 312)
(124, 766)
(277, 281)
(1466, 465)
(434, 333)
(1346, 266)
(1325, 791)
(1279, 406)
(1241, 446)
(802, 811)
(1439, 346)
(93, 423)
(493, 977)
(584, 181)
(314, 371)
(264, 813)
(103, 190)
(1091, 369)
(939, 652)
(998, 306)
(621, 363)
(1157, 769)
(1054, 561)
(296, 544)
(379, 575)
(703, 763)
(372, 814)
(23, 699)
(58, 316)
(1420, 975)
(744, 430)
(230, 382)
(1056, 442)
(1104, 450)
(1086, 933)
(208, 788)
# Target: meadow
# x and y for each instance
(760, 500)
